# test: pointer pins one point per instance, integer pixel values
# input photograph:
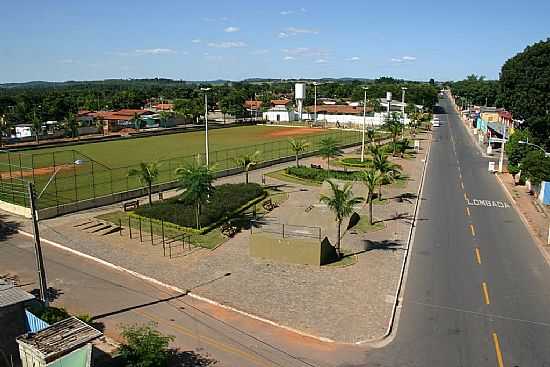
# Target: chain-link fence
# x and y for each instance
(72, 177)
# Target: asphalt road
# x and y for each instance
(476, 294)
(477, 291)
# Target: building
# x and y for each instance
(279, 111)
(65, 343)
(13, 319)
(113, 121)
(160, 107)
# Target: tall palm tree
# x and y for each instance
(5, 128)
(394, 127)
(388, 171)
(329, 149)
(298, 146)
(196, 181)
(247, 161)
(372, 178)
(340, 202)
(147, 173)
(36, 128)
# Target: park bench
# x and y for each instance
(228, 229)
(316, 166)
(269, 205)
(131, 205)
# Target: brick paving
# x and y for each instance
(348, 304)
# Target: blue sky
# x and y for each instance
(60, 40)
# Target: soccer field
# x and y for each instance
(105, 165)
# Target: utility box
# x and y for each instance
(492, 167)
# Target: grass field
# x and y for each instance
(106, 164)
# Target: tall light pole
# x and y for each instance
(546, 154)
(315, 84)
(206, 122)
(501, 159)
(41, 269)
(364, 123)
(403, 90)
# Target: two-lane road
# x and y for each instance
(478, 290)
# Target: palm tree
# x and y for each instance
(36, 128)
(99, 124)
(247, 161)
(5, 128)
(371, 134)
(340, 202)
(388, 171)
(329, 149)
(298, 146)
(71, 125)
(394, 127)
(371, 178)
(402, 147)
(147, 173)
(196, 181)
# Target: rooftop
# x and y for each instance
(343, 109)
(60, 338)
(10, 294)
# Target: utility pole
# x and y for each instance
(501, 159)
(403, 89)
(206, 121)
(37, 247)
(364, 123)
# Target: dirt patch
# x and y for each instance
(42, 171)
(293, 131)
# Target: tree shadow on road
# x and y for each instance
(405, 217)
(8, 228)
(189, 358)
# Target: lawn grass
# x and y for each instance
(364, 226)
(283, 176)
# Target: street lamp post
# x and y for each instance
(501, 159)
(41, 270)
(546, 154)
(403, 90)
(315, 84)
(206, 121)
(364, 123)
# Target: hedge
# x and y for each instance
(226, 199)
(320, 175)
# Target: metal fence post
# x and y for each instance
(120, 226)
(140, 233)
(283, 230)
(151, 228)
(162, 230)
(93, 180)
(130, 226)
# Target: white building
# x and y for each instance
(279, 111)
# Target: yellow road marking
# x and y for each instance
(497, 350)
(473, 230)
(485, 293)
(478, 256)
(219, 345)
(467, 211)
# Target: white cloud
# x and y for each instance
(228, 44)
(395, 59)
(321, 61)
(295, 31)
(196, 40)
(231, 29)
(291, 11)
(155, 51)
(354, 58)
(288, 58)
(283, 35)
(220, 19)
(67, 61)
(409, 58)
(306, 51)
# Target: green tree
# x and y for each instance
(144, 346)
(387, 169)
(247, 161)
(371, 135)
(536, 167)
(341, 202)
(516, 151)
(298, 146)
(36, 128)
(372, 178)
(136, 120)
(147, 174)
(5, 128)
(72, 125)
(402, 147)
(393, 125)
(329, 149)
(196, 181)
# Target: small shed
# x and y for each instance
(66, 343)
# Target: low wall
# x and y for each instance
(15, 209)
(303, 251)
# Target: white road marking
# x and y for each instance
(488, 203)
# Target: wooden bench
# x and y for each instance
(316, 166)
(229, 230)
(269, 205)
(131, 205)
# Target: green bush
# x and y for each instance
(320, 175)
(224, 201)
(355, 162)
(144, 346)
(50, 314)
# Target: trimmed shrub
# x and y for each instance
(225, 200)
(320, 175)
(355, 162)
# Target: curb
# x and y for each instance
(405, 264)
(176, 289)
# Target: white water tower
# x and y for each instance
(300, 95)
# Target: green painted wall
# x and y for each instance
(305, 251)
